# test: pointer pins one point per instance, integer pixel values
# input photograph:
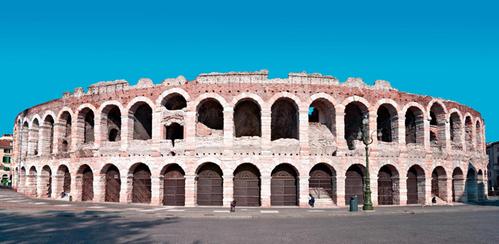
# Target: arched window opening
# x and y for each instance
(247, 119)
(437, 125)
(48, 135)
(86, 120)
(174, 101)
(468, 136)
(141, 114)
(356, 114)
(65, 138)
(35, 137)
(322, 126)
(111, 123)
(210, 118)
(387, 123)
(322, 182)
(284, 121)
(414, 126)
(455, 130)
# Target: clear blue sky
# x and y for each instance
(443, 49)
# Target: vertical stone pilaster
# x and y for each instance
(125, 135)
(99, 184)
(266, 131)
(228, 124)
(303, 132)
(401, 129)
(156, 128)
(190, 191)
(155, 194)
(303, 190)
(340, 190)
(124, 188)
(228, 191)
(340, 128)
(190, 131)
(449, 189)
(99, 137)
(265, 191)
(427, 185)
(403, 190)
(374, 187)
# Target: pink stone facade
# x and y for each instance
(425, 148)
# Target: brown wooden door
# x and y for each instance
(385, 188)
(412, 188)
(49, 186)
(141, 185)
(284, 188)
(87, 185)
(113, 185)
(247, 186)
(174, 188)
(354, 186)
(321, 184)
(210, 186)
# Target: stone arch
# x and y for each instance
(34, 137)
(414, 125)
(284, 185)
(471, 184)
(140, 119)
(247, 118)
(111, 183)
(110, 122)
(24, 139)
(173, 185)
(139, 181)
(63, 180)
(468, 127)
(457, 185)
(31, 183)
(456, 128)
(354, 183)
(85, 182)
(437, 116)
(209, 118)
(481, 185)
(355, 114)
(174, 101)
(209, 181)
(416, 185)
(247, 185)
(22, 179)
(64, 139)
(439, 183)
(85, 124)
(46, 182)
(388, 185)
(47, 134)
(321, 120)
(322, 182)
(179, 91)
(284, 119)
(387, 122)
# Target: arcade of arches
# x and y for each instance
(284, 186)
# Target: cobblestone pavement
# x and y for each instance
(40, 221)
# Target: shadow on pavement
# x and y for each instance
(68, 227)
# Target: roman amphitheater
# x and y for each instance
(241, 135)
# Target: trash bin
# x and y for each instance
(354, 204)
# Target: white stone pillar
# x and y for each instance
(98, 130)
(401, 129)
(228, 189)
(155, 187)
(340, 190)
(125, 136)
(228, 124)
(303, 191)
(190, 131)
(340, 128)
(190, 191)
(403, 190)
(124, 188)
(303, 131)
(265, 191)
(266, 131)
(428, 189)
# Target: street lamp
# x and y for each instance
(367, 139)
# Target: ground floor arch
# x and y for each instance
(416, 185)
(247, 185)
(284, 186)
(209, 185)
(457, 185)
(322, 182)
(85, 179)
(46, 182)
(471, 185)
(63, 180)
(173, 185)
(439, 183)
(388, 186)
(112, 183)
(141, 183)
(354, 183)
(31, 182)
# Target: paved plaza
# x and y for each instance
(41, 221)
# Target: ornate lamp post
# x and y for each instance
(367, 140)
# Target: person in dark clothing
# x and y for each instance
(233, 206)
(311, 200)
